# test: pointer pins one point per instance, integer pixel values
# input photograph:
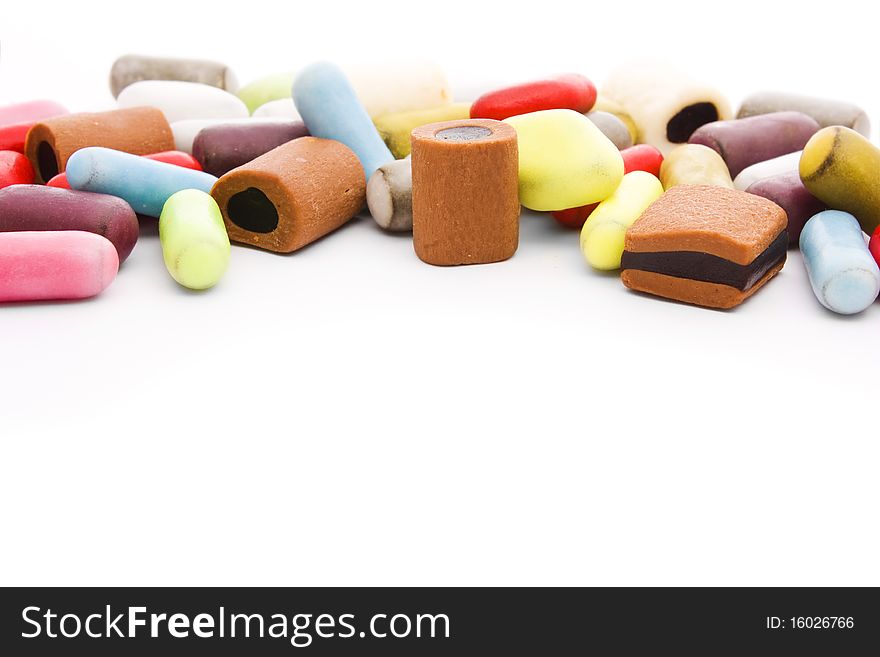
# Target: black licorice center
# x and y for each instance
(253, 211)
(463, 133)
(46, 161)
(682, 125)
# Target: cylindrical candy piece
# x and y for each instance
(16, 120)
(15, 169)
(826, 112)
(195, 245)
(840, 168)
(139, 130)
(788, 192)
(465, 208)
(292, 195)
(221, 148)
(144, 184)
(694, 164)
(843, 273)
(767, 169)
(603, 235)
(38, 207)
(389, 195)
(744, 142)
(183, 100)
(55, 265)
(564, 160)
(613, 128)
(177, 158)
(667, 106)
(396, 129)
(331, 110)
(571, 91)
(129, 69)
(642, 157)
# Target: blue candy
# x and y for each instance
(144, 184)
(330, 109)
(844, 275)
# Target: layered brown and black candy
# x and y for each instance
(705, 245)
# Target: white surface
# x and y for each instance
(349, 415)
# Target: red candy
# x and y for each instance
(15, 169)
(16, 120)
(636, 158)
(570, 91)
(874, 245)
(178, 158)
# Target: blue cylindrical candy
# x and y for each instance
(145, 184)
(844, 275)
(330, 109)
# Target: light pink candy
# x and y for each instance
(34, 110)
(66, 264)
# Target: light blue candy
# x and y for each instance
(144, 184)
(330, 109)
(844, 275)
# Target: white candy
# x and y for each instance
(185, 131)
(654, 94)
(278, 109)
(180, 101)
(767, 169)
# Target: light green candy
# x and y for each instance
(564, 160)
(194, 240)
(272, 87)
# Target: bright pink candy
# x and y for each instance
(67, 264)
(178, 158)
(572, 91)
(16, 120)
(15, 169)
(874, 245)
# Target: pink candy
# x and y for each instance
(16, 120)
(37, 266)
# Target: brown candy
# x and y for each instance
(465, 192)
(136, 130)
(292, 195)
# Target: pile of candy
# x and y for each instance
(687, 202)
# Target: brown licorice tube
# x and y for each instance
(465, 192)
(137, 130)
(292, 195)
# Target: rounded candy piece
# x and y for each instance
(15, 169)
(38, 207)
(604, 104)
(396, 129)
(266, 89)
(826, 112)
(767, 169)
(604, 233)
(221, 148)
(331, 110)
(389, 195)
(183, 100)
(67, 264)
(571, 91)
(16, 120)
(564, 160)
(129, 69)
(694, 164)
(840, 168)
(874, 245)
(788, 192)
(613, 128)
(195, 245)
(843, 274)
(177, 158)
(283, 108)
(144, 184)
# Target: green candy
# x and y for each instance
(272, 87)
(194, 240)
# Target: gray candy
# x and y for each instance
(826, 112)
(389, 195)
(129, 69)
(613, 128)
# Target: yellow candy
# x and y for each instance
(396, 128)
(694, 164)
(602, 237)
(564, 160)
(841, 168)
(604, 104)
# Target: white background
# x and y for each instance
(350, 415)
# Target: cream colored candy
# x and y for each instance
(694, 164)
(603, 235)
(767, 169)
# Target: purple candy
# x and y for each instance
(222, 148)
(788, 192)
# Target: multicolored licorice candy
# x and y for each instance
(788, 192)
(183, 100)
(706, 245)
(571, 91)
(666, 105)
(129, 69)
(16, 120)
(826, 112)
(843, 273)
(744, 142)
(840, 167)
(694, 164)
(389, 196)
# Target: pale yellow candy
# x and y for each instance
(602, 237)
(564, 160)
(397, 128)
(694, 164)
(195, 245)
